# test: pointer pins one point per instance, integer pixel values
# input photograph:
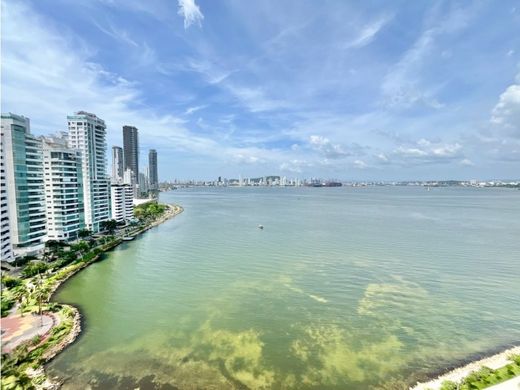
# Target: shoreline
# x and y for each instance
(75, 332)
(457, 373)
(173, 212)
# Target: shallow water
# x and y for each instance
(345, 288)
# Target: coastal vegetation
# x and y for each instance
(28, 290)
(486, 377)
(149, 211)
(21, 367)
(31, 294)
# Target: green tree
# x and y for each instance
(80, 247)
(10, 362)
(54, 246)
(34, 268)
(41, 295)
(6, 305)
(109, 225)
(10, 281)
(20, 294)
(84, 233)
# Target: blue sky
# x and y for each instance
(335, 89)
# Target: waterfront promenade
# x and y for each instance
(29, 339)
(457, 375)
(17, 329)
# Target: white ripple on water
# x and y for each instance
(288, 284)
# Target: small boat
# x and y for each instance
(260, 227)
(128, 238)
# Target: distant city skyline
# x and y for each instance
(372, 91)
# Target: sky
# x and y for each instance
(350, 90)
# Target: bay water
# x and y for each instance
(344, 288)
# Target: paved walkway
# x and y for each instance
(456, 375)
(511, 384)
(17, 329)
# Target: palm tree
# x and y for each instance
(20, 295)
(11, 361)
(23, 381)
(41, 294)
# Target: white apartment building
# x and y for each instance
(122, 202)
(6, 247)
(63, 189)
(23, 163)
(87, 133)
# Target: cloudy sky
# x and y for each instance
(335, 89)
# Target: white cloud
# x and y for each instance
(467, 162)
(404, 86)
(327, 148)
(247, 159)
(368, 33)
(401, 87)
(295, 165)
(425, 151)
(213, 73)
(360, 164)
(191, 110)
(506, 113)
(254, 98)
(382, 157)
(117, 34)
(52, 76)
(190, 12)
(501, 140)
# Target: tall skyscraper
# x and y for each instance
(87, 133)
(23, 159)
(131, 154)
(6, 246)
(153, 178)
(63, 189)
(117, 164)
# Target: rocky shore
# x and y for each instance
(458, 374)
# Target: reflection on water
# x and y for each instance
(343, 289)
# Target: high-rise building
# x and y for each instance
(6, 247)
(63, 189)
(122, 202)
(87, 133)
(143, 185)
(131, 154)
(117, 164)
(128, 177)
(153, 178)
(23, 159)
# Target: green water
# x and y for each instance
(345, 288)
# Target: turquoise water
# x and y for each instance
(345, 288)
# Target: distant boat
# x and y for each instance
(128, 238)
(260, 227)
